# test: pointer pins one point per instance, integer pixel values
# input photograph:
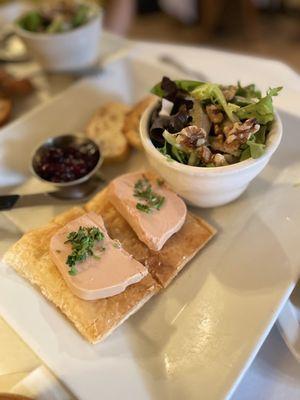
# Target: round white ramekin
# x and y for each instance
(66, 51)
(208, 187)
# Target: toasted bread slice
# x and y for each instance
(11, 86)
(105, 128)
(97, 319)
(132, 122)
(5, 110)
(94, 319)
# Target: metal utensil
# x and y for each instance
(167, 59)
(76, 193)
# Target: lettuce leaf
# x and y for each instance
(256, 149)
(171, 139)
(242, 101)
(245, 154)
(262, 111)
(193, 159)
(165, 152)
(31, 21)
(252, 149)
(81, 16)
(233, 107)
(157, 90)
(212, 92)
(188, 85)
(183, 84)
(179, 155)
(260, 136)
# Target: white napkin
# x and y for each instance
(41, 384)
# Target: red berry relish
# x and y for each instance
(66, 164)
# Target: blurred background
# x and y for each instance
(269, 28)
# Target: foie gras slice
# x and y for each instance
(153, 228)
(104, 275)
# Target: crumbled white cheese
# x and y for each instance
(166, 108)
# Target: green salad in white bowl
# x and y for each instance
(62, 35)
(209, 141)
(209, 125)
(57, 16)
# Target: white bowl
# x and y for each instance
(66, 51)
(208, 187)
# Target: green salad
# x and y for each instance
(57, 16)
(209, 125)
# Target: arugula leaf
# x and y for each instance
(212, 92)
(262, 111)
(274, 91)
(249, 91)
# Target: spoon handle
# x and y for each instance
(12, 201)
(8, 202)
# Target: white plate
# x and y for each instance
(197, 338)
(289, 323)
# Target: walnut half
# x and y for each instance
(191, 137)
(214, 113)
(242, 131)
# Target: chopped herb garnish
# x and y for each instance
(82, 243)
(160, 182)
(143, 207)
(143, 190)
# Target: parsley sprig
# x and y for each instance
(151, 200)
(82, 243)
